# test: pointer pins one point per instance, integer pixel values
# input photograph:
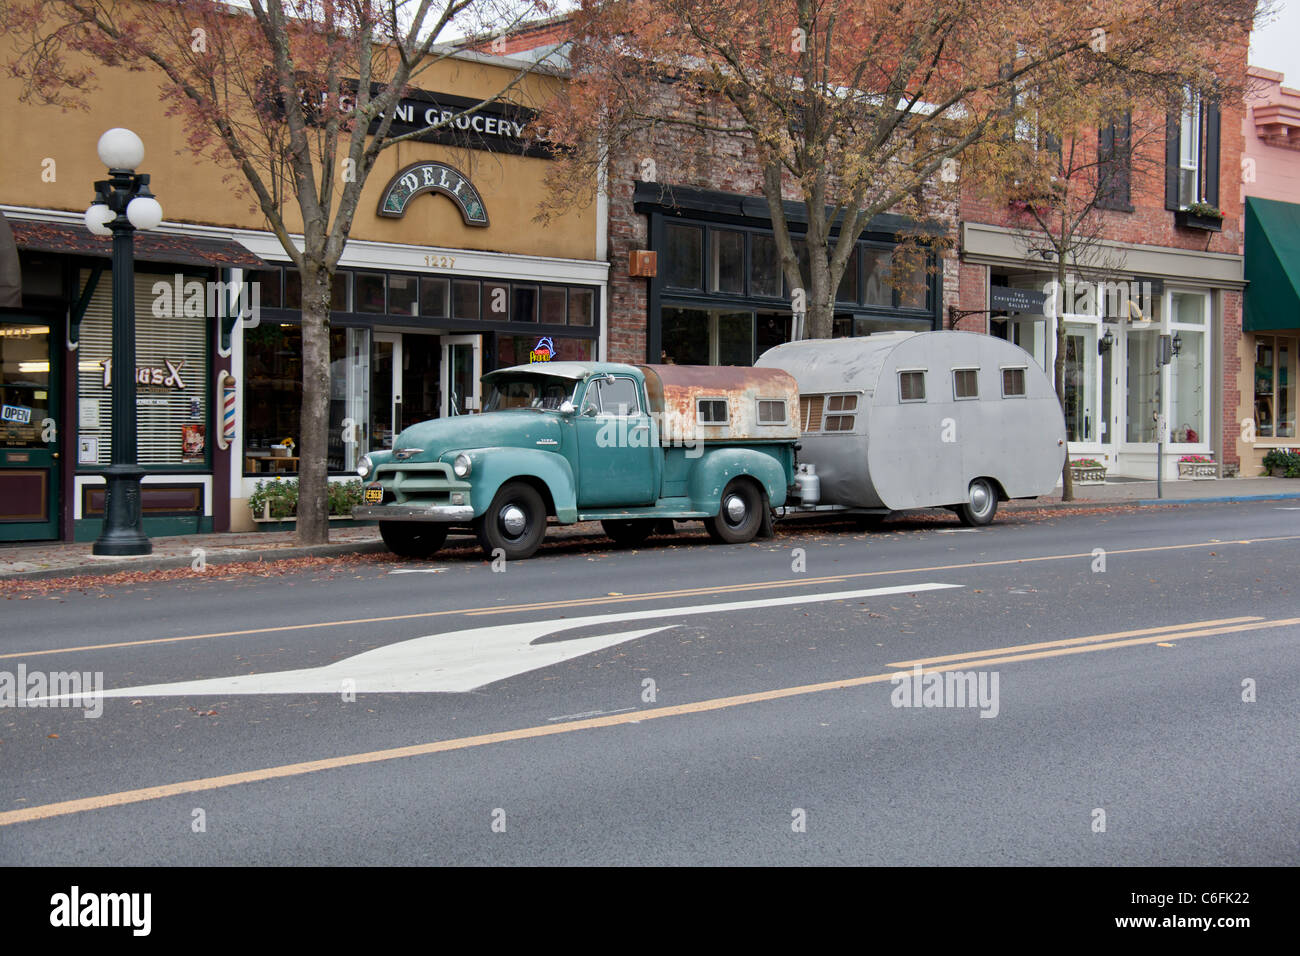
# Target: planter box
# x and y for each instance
(1198, 470)
(1088, 476)
(288, 524)
(1190, 220)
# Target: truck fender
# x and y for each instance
(718, 466)
(493, 467)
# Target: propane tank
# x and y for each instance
(808, 484)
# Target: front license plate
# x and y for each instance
(374, 494)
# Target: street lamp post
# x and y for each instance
(123, 204)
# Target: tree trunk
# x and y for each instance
(1058, 370)
(313, 451)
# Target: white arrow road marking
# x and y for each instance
(461, 661)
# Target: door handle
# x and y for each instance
(54, 454)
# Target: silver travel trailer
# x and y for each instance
(901, 420)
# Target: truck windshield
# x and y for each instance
(529, 391)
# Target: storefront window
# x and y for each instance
(433, 297)
(496, 301)
(553, 303)
(370, 292)
(736, 338)
(402, 294)
(523, 305)
(1187, 389)
(24, 383)
(727, 261)
(171, 373)
(907, 270)
(1275, 392)
(685, 336)
(581, 307)
(268, 287)
(464, 300)
(682, 256)
(876, 289)
(518, 349)
(273, 388)
(764, 266)
(772, 329)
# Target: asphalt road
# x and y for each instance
(751, 718)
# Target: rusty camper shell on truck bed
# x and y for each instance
(902, 420)
(722, 403)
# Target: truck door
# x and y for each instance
(617, 450)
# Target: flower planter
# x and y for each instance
(289, 524)
(1088, 476)
(1191, 220)
(1198, 470)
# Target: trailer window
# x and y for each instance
(771, 411)
(810, 412)
(711, 411)
(911, 386)
(965, 383)
(1013, 383)
(836, 406)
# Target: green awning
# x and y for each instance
(1272, 265)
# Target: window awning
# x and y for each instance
(149, 246)
(1272, 265)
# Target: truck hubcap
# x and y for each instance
(513, 520)
(735, 509)
(979, 498)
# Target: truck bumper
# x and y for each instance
(441, 513)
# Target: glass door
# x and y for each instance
(385, 389)
(29, 439)
(462, 365)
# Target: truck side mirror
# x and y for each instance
(566, 407)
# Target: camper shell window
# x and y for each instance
(965, 383)
(711, 411)
(1013, 382)
(772, 411)
(911, 385)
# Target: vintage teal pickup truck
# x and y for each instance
(626, 445)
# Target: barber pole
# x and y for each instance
(226, 398)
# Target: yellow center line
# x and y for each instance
(145, 794)
(646, 596)
(1020, 648)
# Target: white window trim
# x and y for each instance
(1002, 381)
(712, 398)
(758, 410)
(925, 387)
(965, 398)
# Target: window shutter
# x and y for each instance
(1123, 142)
(1212, 153)
(1171, 160)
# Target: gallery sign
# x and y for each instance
(433, 178)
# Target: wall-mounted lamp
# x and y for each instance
(1177, 344)
(1106, 342)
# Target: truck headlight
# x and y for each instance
(365, 466)
(461, 466)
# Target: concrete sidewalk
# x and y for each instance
(59, 559)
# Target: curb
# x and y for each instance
(225, 556)
(1147, 502)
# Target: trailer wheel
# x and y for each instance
(413, 539)
(630, 532)
(515, 522)
(981, 504)
(740, 515)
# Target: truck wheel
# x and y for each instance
(981, 506)
(741, 513)
(629, 533)
(515, 522)
(413, 539)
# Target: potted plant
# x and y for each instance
(274, 504)
(1197, 467)
(1200, 215)
(1087, 471)
(1282, 463)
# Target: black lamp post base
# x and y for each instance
(123, 533)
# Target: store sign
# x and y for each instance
(167, 375)
(1025, 301)
(433, 178)
(543, 351)
(16, 413)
